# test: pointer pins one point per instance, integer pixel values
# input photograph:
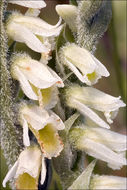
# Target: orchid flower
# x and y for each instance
(27, 168)
(85, 98)
(83, 64)
(38, 81)
(44, 126)
(101, 143)
(31, 30)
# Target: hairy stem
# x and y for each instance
(9, 134)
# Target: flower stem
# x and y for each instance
(9, 138)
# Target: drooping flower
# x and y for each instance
(84, 65)
(38, 81)
(31, 30)
(45, 126)
(27, 168)
(36, 4)
(101, 143)
(69, 14)
(108, 182)
(84, 98)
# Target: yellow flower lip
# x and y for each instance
(44, 125)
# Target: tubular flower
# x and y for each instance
(84, 65)
(69, 14)
(26, 169)
(28, 30)
(101, 143)
(44, 126)
(84, 98)
(36, 4)
(37, 80)
(108, 182)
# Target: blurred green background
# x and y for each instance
(111, 51)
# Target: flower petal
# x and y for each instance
(38, 74)
(69, 14)
(113, 140)
(49, 140)
(43, 170)
(10, 174)
(59, 82)
(38, 26)
(50, 97)
(29, 162)
(76, 71)
(26, 140)
(89, 113)
(21, 34)
(27, 89)
(35, 116)
(108, 182)
(102, 152)
(100, 69)
(56, 121)
(30, 4)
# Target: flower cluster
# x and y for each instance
(93, 136)
(37, 113)
(40, 84)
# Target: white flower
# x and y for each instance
(26, 169)
(101, 143)
(84, 98)
(28, 30)
(108, 182)
(37, 80)
(44, 126)
(85, 66)
(69, 14)
(36, 4)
